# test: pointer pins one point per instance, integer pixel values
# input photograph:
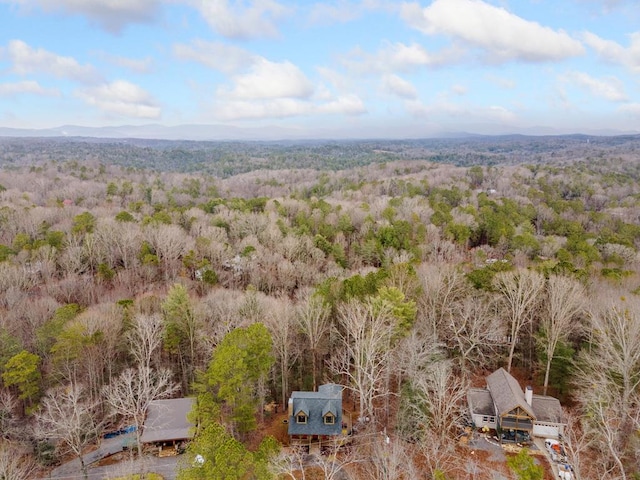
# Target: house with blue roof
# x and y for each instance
(316, 417)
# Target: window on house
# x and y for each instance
(485, 419)
(329, 419)
(301, 418)
(492, 419)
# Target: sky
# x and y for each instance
(368, 68)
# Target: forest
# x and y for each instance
(238, 272)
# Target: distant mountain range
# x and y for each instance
(226, 132)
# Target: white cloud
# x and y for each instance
(342, 11)
(216, 55)
(397, 57)
(502, 35)
(608, 6)
(340, 81)
(27, 86)
(27, 60)
(502, 82)
(267, 79)
(632, 109)
(259, 88)
(288, 107)
(121, 98)
(609, 88)
(612, 52)
(399, 86)
(459, 89)
(274, 108)
(233, 19)
(137, 65)
(112, 15)
(471, 113)
(348, 105)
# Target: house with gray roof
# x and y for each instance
(316, 417)
(166, 424)
(503, 405)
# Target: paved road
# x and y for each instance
(72, 470)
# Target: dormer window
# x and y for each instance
(329, 419)
(301, 418)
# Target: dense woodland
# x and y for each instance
(238, 272)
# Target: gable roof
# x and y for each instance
(328, 399)
(548, 409)
(507, 394)
(167, 421)
(480, 402)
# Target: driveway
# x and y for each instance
(167, 467)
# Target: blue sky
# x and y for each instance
(355, 68)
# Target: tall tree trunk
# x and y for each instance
(546, 375)
(314, 367)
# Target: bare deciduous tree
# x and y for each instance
(145, 338)
(414, 353)
(472, 331)
(565, 300)
(519, 293)
(67, 416)
(439, 399)
(280, 322)
(444, 285)
(388, 458)
(313, 321)
(439, 457)
(15, 465)
(335, 460)
(364, 337)
(8, 415)
(609, 379)
(289, 463)
(605, 426)
(576, 442)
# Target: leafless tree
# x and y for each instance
(388, 458)
(609, 378)
(364, 337)
(68, 416)
(314, 323)
(473, 331)
(280, 322)
(519, 294)
(616, 339)
(219, 314)
(605, 426)
(564, 301)
(8, 415)
(439, 399)
(577, 442)
(170, 243)
(335, 460)
(444, 285)
(145, 338)
(438, 455)
(289, 463)
(119, 242)
(414, 354)
(131, 393)
(14, 464)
